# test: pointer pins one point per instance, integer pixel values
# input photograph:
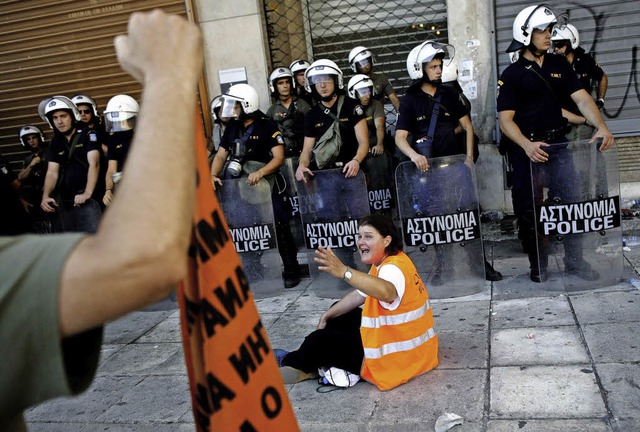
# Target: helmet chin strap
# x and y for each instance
(426, 80)
(328, 98)
(537, 53)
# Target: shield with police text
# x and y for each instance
(330, 206)
(379, 175)
(441, 224)
(576, 196)
(249, 213)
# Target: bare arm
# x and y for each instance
(346, 304)
(112, 168)
(395, 101)
(48, 204)
(589, 109)
(533, 149)
(373, 286)
(27, 170)
(401, 142)
(274, 164)
(139, 251)
(573, 118)
(378, 149)
(217, 164)
(466, 124)
(362, 135)
(93, 158)
(603, 85)
(305, 159)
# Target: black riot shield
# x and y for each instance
(249, 213)
(288, 171)
(330, 206)
(576, 196)
(441, 225)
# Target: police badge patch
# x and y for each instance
(93, 137)
(359, 111)
(280, 140)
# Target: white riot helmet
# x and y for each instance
(121, 113)
(298, 65)
(449, 72)
(360, 85)
(30, 130)
(85, 100)
(424, 53)
(281, 72)
(323, 68)
(360, 56)
(48, 106)
(216, 102)
(566, 32)
(530, 18)
(244, 94)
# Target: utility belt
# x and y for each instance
(550, 135)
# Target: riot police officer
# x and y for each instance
(120, 121)
(530, 114)
(298, 69)
(566, 41)
(324, 80)
(288, 111)
(361, 62)
(33, 172)
(251, 137)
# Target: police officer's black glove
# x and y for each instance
(600, 103)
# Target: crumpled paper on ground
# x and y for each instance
(448, 420)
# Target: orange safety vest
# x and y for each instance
(402, 343)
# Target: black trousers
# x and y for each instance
(337, 345)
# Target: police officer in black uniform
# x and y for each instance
(298, 69)
(73, 170)
(262, 143)
(32, 175)
(566, 40)
(530, 114)
(325, 81)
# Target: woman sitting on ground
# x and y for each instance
(392, 338)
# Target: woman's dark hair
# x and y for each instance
(385, 227)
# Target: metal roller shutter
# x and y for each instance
(62, 47)
(609, 31)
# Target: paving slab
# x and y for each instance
(590, 425)
(622, 384)
(130, 327)
(618, 306)
(460, 316)
(537, 346)
(462, 349)
(104, 392)
(139, 359)
(617, 342)
(551, 392)
(57, 427)
(403, 426)
(311, 302)
(520, 286)
(427, 397)
(153, 427)
(107, 350)
(278, 304)
(294, 326)
(158, 399)
(531, 312)
(306, 426)
(166, 331)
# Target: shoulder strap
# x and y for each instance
(530, 68)
(328, 112)
(434, 116)
(72, 150)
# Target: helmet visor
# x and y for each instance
(230, 107)
(120, 121)
(364, 91)
(362, 64)
(320, 79)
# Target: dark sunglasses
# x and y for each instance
(85, 111)
(560, 44)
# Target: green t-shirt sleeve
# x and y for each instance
(36, 363)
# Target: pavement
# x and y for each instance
(515, 357)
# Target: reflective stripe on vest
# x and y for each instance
(375, 353)
(396, 319)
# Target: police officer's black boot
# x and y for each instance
(527, 234)
(490, 273)
(289, 254)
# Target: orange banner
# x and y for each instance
(234, 379)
